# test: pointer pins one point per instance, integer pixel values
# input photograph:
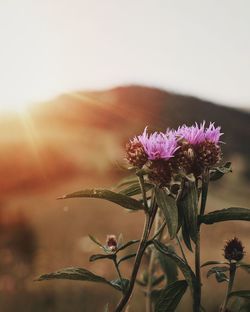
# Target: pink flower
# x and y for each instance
(158, 145)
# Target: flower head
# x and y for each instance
(159, 145)
(193, 135)
(234, 250)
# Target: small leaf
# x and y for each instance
(213, 262)
(168, 266)
(73, 274)
(100, 256)
(120, 285)
(96, 241)
(129, 243)
(170, 297)
(240, 293)
(168, 206)
(126, 258)
(216, 270)
(244, 266)
(126, 181)
(184, 267)
(233, 213)
(221, 277)
(218, 172)
(122, 200)
(135, 189)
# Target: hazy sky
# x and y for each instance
(198, 47)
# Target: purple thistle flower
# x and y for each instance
(159, 145)
(197, 134)
(213, 134)
(193, 135)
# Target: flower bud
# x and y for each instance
(111, 242)
(208, 154)
(184, 157)
(161, 172)
(135, 154)
(234, 250)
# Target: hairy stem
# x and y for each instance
(230, 285)
(144, 195)
(205, 183)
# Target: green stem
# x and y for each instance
(119, 273)
(205, 183)
(139, 254)
(197, 269)
(144, 195)
(232, 272)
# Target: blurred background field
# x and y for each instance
(78, 79)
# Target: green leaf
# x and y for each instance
(219, 273)
(244, 266)
(233, 213)
(157, 280)
(184, 267)
(218, 172)
(129, 243)
(186, 236)
(169, 266)
(122, 200)
(78, 274)
(135, 189)
(240, 293)
(126, 258)
(96, 241)
(120, 285)
(213, 262)
(168, 206)
(170, 297)
(190, 209)
(101, 256)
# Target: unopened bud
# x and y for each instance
(234, 250)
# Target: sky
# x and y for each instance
(49, 47)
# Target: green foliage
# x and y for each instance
(169, 298)
(233, 213)
(122, 200)
(101, 256)
(213, 262)
(189, 204)
(240, 293)
(78, 274)
(126, 258)
(219, 273)
(135, 189)
(218, 172)
(168, 206)
(183, 266)
(129, 243)
(169, 266)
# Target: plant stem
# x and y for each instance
(205, 183)
(119, 274)
(140, 252)
(151, 265)
(232, 272)
(144, 195)
(197, 269)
